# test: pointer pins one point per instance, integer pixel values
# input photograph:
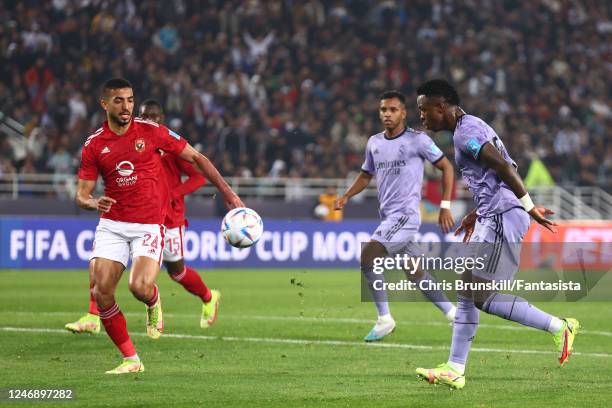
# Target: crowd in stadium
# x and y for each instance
(290, 88)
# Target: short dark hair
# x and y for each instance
(152, 102)
(115, 83)
(394, 94)
(439, 87)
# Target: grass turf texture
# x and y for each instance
(254, 367)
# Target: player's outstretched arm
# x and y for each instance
(87, 202)
(211, 173)
(194, 180)
(360, 183)
(445, 218)
(491, 157)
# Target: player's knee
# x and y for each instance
(174, 268)
(480, 300)
(140, 289)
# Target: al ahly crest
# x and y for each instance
(139, 144)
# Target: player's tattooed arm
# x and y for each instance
(87, 202)
(360, 183)
(445, 218)
(493, 159)
(212, 174)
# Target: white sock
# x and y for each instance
(451, 314)
(555, 325)
(133, 358)
(460, 368)
(386, 317)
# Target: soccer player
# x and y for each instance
(396, 157)
(126, 153)
(503, 207)
(175, 223)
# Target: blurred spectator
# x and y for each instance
(325, 208)
(284, 87)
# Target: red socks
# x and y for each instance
(193, 283)
(116, 327)
(93, 306)
(153, 299)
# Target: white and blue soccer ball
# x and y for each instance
(242, 227)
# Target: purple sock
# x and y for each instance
(464, 329)
(379, 296)
(517, 309)
(437, 297)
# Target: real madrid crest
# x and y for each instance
(139, 145)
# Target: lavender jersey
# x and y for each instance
(491, 194)
(398, 166)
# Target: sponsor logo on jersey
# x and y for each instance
(139, 144)
(105, 150)
(125, 168)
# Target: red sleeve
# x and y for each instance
(195, 180)
(88, 169)
(169, 141)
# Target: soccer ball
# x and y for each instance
(242, 227)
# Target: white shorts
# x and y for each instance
(173, 248)
(396, 235)
(117, 241)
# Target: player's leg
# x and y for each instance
(107, 274)
(143, 276)
(465, 325)
(110, 254)
(89, 323)
(385, 323)
(511, 227)
(146, 247)
(189, 277)
(428, 287)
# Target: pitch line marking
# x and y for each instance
(314, 342)
(315, 319)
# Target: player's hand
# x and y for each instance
(104, 203)
(340, 203)
(232, 201)
(539, 213)
(467, 226)
(446, 220)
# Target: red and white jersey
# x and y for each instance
(130, 165)
(174, 167)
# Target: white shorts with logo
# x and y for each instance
(397, 236)
(173, 248)
(118, 241)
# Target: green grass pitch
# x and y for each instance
(287, 338)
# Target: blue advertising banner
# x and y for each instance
(45, 243)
